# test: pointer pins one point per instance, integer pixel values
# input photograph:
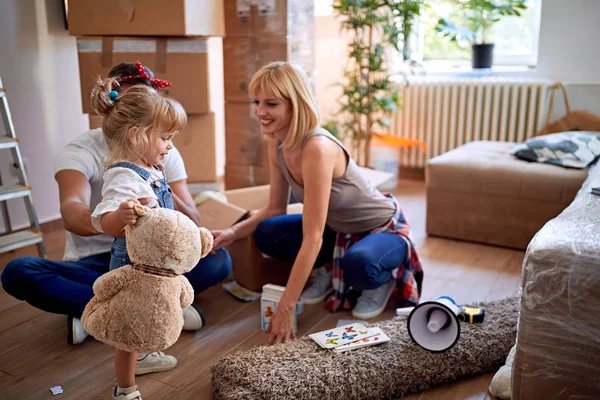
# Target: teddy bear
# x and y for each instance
(138, 308)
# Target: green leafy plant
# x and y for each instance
(478, 18)
(369, 96)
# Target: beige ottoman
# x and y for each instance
(479, 192)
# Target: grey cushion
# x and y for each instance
(576, 149)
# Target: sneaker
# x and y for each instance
(156, 361)
(75, 332)
(320, 288)
(134, 393)
(371, 303)
(193, 319)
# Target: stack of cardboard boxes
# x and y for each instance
(258, 32)
(180, 41)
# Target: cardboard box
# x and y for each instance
(146, 18)
(198, 144)
(186, 62)
(239, 176)
(268, 18)
(243, 56)
(95, 121)
(250, 268)
(245, 143)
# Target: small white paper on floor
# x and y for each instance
(56, 390)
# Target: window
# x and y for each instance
(515, 38)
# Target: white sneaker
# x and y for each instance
(156, 361)
(320, 288)
(193, 318)
(75, 332)
(371, 303)
(133, 395)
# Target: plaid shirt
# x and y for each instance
(408, 275)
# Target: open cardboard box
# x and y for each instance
(251, 269)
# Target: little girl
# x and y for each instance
(139, 126)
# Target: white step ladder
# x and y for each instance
(11, 240)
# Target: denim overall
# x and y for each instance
(118, 251)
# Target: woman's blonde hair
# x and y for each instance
(141, 107)
(287, 81)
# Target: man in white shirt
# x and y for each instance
(65, 287)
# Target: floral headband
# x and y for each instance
(157, 83)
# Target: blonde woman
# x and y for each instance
(354, 235)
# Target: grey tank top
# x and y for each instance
(355, 205)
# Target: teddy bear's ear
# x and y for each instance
(141, 210)
(207, 241)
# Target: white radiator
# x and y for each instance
(446, 113)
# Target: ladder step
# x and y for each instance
(6, 142)
(13, 191)
(19, 239)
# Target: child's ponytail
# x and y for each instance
(104, 97)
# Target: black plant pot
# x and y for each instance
(483, 55)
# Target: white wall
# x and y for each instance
(568, 51)
(38, 66)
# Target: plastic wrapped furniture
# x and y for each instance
(558, 341)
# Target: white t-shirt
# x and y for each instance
(121, 184)
(86, 154)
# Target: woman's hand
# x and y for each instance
(281, 326)
(222, 238)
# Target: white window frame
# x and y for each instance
(529, 60)
(324, 8)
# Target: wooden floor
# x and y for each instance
(34, 355)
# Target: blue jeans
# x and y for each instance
(368, 264)
(65, 287)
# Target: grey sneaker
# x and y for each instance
(371, 303)
(75, 332)
(156, 361)
(193, 318)
(320, 288)
(128, 394)
(131, 393)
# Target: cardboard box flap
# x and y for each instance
(215, 214)
(252, 198)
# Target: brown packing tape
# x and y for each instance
(128, 9)
(107, 50)
(161, 55)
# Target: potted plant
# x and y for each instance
(369, 96)
(478, 17)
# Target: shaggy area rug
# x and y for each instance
(302, 370)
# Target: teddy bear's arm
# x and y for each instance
(110, 283)
(187, 292)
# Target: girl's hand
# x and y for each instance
(126, 214)
(281, 326)
(222, 238)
